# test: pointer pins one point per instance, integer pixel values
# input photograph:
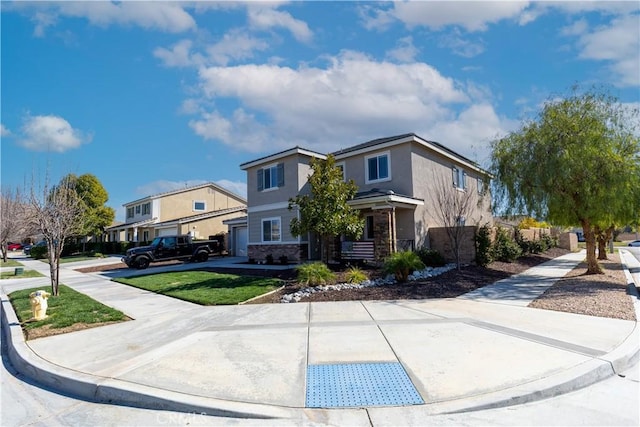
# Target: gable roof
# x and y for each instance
(282, 154)
(186, 189)
(379, 143)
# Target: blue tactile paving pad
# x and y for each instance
(359, 384)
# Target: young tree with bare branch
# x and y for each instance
(12, 224)
(57, 213)
(454, 205)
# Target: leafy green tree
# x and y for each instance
(578, 163)
(93, 196)
(325, 210)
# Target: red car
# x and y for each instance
(14, 246)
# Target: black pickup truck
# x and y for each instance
(167, 248)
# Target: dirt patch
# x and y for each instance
(603, 295)
(48, 331)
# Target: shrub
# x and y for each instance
(430, 257)
(314, 274)
(484, 253)
(401, 264)
(284, 260)
(38, 252)
(356, 275)
(269, 259)
(505, 248)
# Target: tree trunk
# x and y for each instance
(590, 239)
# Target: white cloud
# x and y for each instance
(405, 51)
(461, 46)
(471, 131)
(436, 15)
(266, 18)
(4, 131)
(350, 101)
(235, 45)
(619, 44)
(162, 16)
(239, 188)
(50, 133)
(179, 55)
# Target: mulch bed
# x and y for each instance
(448, 285)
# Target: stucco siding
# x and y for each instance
(255, 225)
(182, 204)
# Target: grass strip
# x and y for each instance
(67, 309)
(204, 287)
(25, 274)
(10, 263)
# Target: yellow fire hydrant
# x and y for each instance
(39, 304)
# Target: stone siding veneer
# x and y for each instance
(293, 252)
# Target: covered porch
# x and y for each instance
(389, 226)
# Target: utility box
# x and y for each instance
(19, 271)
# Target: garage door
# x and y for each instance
(240, 241)
(167, 232)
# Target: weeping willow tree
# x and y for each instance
(576, 164)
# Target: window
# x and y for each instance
(271, 230)
(377, 168)
(199, 206)
(146, 208)
(130, 212)
(138, 209)
(480, 186)
(460, 221)
(459, 178)
(368, 227)
(271, 177)
(341, 167)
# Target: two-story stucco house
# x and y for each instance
(198, 210)
(396, 177)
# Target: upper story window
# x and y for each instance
(271, 230)
(340, 166)
(377, 168)
(138, 209)
(480, 186)
(271, 177)
(130, 212)
(459, 178)
(146, 208)
(199, 206)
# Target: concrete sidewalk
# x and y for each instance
(258, 361)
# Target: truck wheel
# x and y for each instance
(202, 257)
(142, 262)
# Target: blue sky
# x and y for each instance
(153, 96)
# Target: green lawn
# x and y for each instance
(67, 309)
(203, 287)
(25, 274)
(10, 263)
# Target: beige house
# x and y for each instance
(397, 179)
(199, 210)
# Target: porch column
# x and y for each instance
(383, 231)
(135, 234)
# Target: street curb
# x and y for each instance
(113, 391)
(624, 356)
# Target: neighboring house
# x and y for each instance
(396, 178)
(199, 210)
